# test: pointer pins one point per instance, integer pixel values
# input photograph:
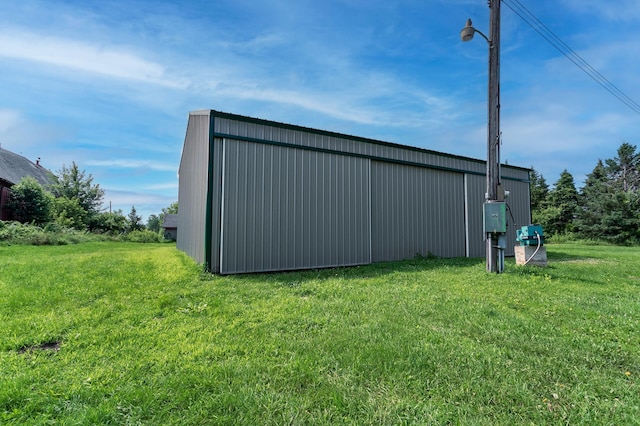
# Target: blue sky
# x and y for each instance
(109, 84)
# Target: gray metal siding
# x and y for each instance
(520, 207)
(359, 146)
(216, 204)
(476, 188)
(518, 203)
(192, 191)
(286, 197)
(416, 211)
(286, 208)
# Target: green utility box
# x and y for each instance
(495, 217)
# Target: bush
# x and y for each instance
(144, 236)
(16, 233)
(29, 202)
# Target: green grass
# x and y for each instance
(123, 333)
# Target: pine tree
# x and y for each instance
(610, 199)
(625, 168)
(557, 217)
(539, 190)
(72, 183)
(134, 222)
(596, 199)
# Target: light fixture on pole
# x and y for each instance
(494, 208)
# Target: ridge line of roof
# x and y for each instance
(255, 120)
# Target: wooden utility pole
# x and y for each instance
(494, 208)
(494, 241)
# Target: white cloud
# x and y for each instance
(133, 164)
(162, 186)
(8, 119)
(108, 61)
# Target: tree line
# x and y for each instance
(72, 200)
(606, 208)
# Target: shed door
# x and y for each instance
(287, 208)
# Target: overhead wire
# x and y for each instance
(530, 19)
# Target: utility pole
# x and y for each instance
(495, 241)
(494, 207)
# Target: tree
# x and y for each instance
(539, 193)
(153, 223)
(69, 213)
(625, 168)
(134, 222)
(610, 200)
(113, 223)
(557, 217)
(29, 202)
(72, 183)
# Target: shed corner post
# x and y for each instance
(209, 204)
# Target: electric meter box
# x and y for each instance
(495, 217)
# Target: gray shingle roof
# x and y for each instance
(170, 221)
(14, 167)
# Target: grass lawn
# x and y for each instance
(125, 333)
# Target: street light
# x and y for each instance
(468, 31)
(494, 212)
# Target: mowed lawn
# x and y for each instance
(124, 333)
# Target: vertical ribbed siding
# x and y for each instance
(342, 143)
(416, 211)
(476, 188)
(192, 192)
(216, 204)
(279, 207)
(286, 208)
(518, 211)
(519, 206)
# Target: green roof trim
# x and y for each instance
(209, 206)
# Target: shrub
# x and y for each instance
(144, 236)
(16, 233)
(29, 202)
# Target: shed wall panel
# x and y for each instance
(216, 204)
(343, 143)
(476, 188)
(416, 211)
(192, 193)
(517, 213)
(288, 197)
(286, 208)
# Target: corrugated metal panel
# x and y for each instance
(192, 192)
(476, 188)
(328, 141)
(285, 208)
(216, 204)
(520, 207)
(517, 213)
(279, 207)
(416, 211)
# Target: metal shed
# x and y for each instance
(257, 195)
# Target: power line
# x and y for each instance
(530, 19)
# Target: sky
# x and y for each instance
(109, 84)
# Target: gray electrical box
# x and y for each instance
(495, 217)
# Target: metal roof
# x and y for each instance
(170, 221)
(14, 167)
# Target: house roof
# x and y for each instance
(170, 221)
(14, 167)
